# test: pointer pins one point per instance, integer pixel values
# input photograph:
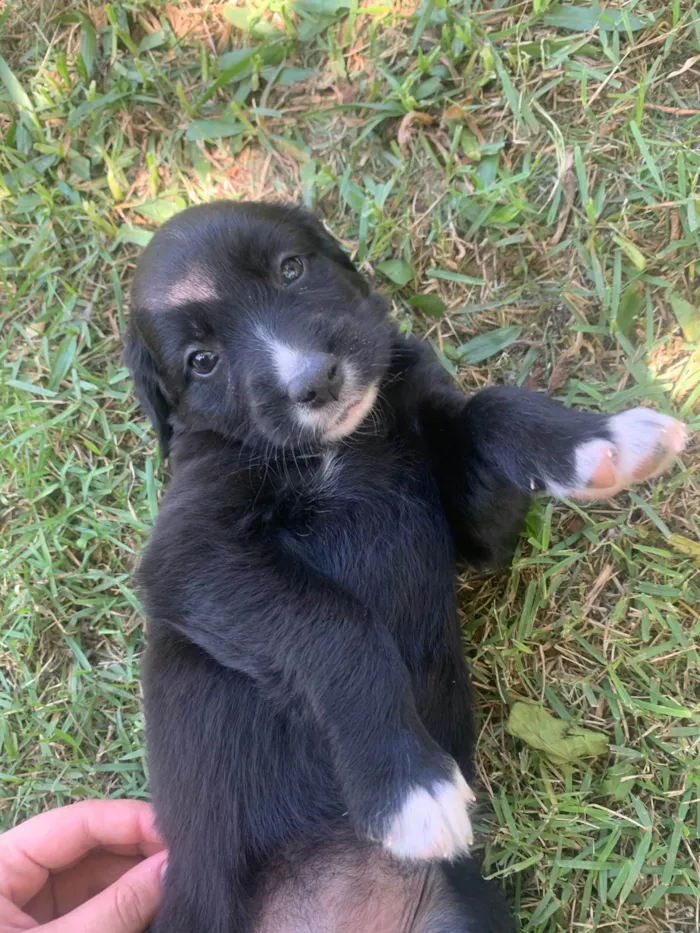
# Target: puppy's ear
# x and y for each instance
(149, 389)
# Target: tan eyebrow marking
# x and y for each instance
(195, 286)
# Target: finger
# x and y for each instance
(58, 838)
(14, 920)
(72, 887)
(127, 906)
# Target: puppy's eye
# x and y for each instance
(203, 362)
(291, 270)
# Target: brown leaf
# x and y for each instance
(98, 16)
(474, 129)
(534, 379)
(413, 116)
(345, 92)
(567, 201)
(559, 374)
(675, 227)
(454, 112)
(574, 524)
(183, 22)
(458, 112)
(607, 129)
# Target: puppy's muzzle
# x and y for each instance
(316, 380)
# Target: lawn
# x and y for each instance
(521, 180)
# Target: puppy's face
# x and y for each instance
(249, 320)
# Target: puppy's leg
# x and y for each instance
(205, 889)
(532, 441)
(478, 903)
(507, 443)
(535, 443)
(297, 634)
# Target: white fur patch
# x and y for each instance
(587, 457)
(286, 360)
(638, 433)
(643, 444)
(433, 824)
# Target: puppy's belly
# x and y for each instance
(347, 886)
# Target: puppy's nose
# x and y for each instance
(317, 380)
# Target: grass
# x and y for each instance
(523, 180)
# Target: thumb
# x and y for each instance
(127, 906)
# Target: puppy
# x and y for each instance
(307, 701)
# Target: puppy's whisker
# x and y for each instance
(266, 459)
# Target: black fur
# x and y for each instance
(304, 666)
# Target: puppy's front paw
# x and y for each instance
(433, 822)
(642, 444)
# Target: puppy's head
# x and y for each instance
(250, 321)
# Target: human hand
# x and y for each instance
(92, 867)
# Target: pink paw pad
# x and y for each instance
(644, 443)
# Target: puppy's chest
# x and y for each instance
(372, 522)
(306, 499)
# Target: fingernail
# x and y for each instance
(163, 870)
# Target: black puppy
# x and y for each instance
(307, 701)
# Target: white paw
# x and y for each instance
(646, 442)
(643, 444)
(433, 824)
